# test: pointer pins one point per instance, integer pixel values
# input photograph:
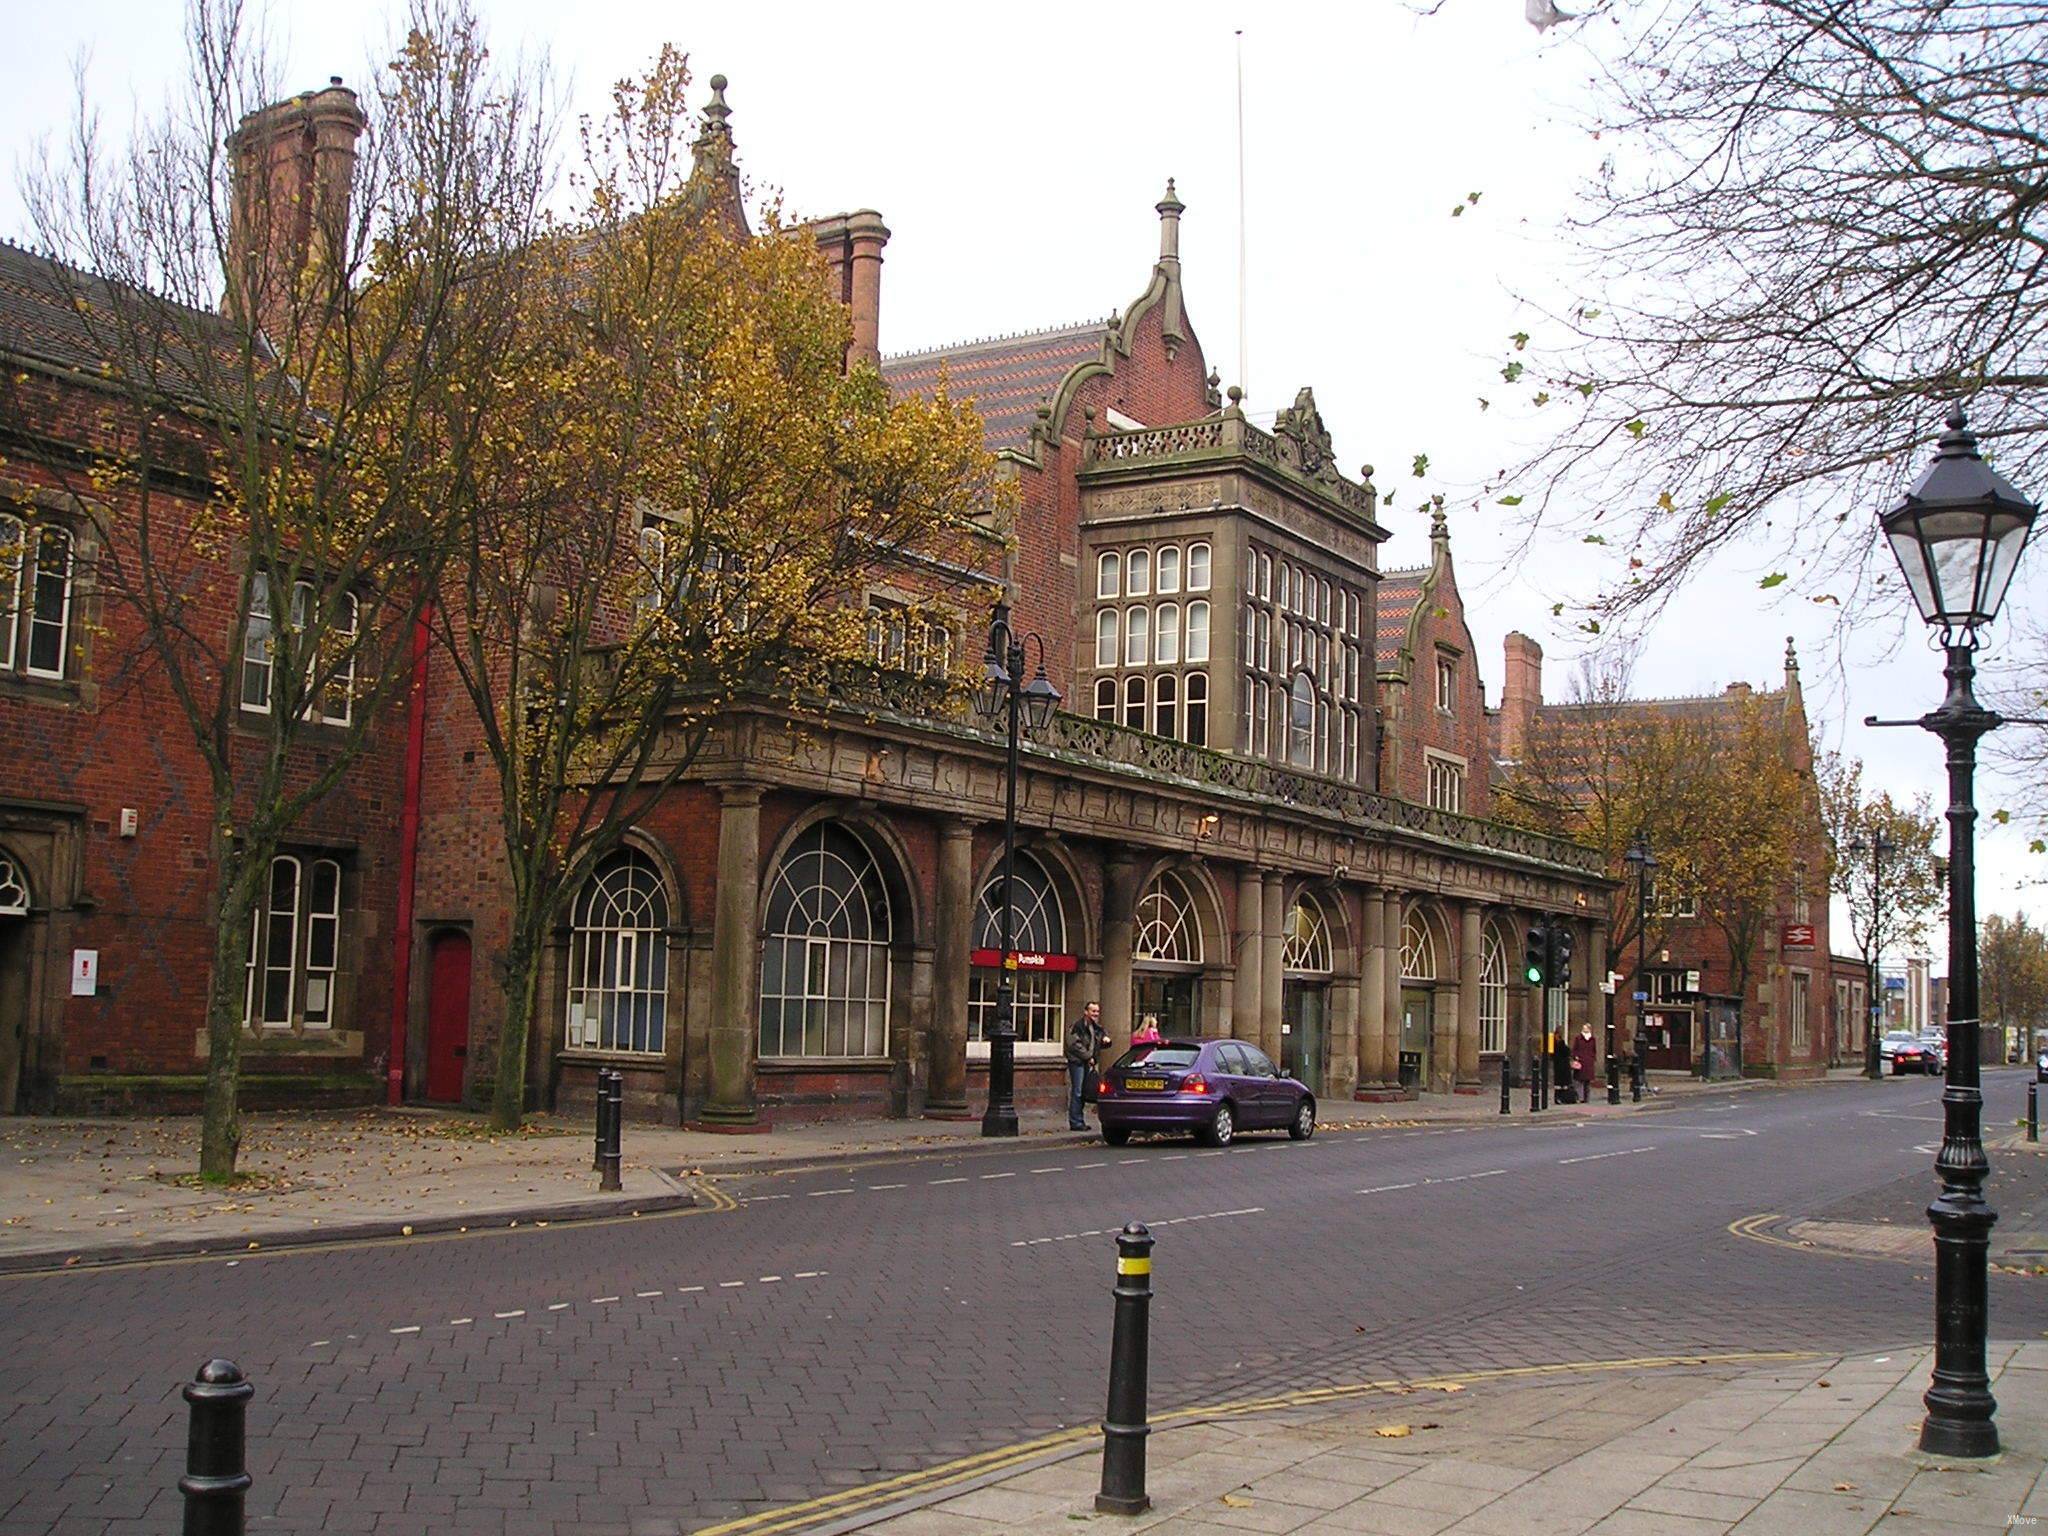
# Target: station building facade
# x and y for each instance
(1241, 821)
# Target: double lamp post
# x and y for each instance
(1957, 534)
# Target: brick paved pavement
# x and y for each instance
(844, 1324)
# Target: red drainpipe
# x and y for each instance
(408, 856)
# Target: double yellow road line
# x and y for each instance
(988, 1466)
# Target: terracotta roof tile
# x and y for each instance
(1399, 592)
(1006, 377)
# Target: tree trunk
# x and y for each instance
(508, 1094)
(220, 1133)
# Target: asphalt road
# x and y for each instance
(845, 1324)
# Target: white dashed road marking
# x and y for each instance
(1170, 1221)
(1594, 1157)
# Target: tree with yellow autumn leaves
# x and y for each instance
(682, 493)
(1721, 788)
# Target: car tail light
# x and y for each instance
(1194, 1082)
(1102, 1088)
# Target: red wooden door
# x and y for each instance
(447, 1017)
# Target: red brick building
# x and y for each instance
(1790, 1007)
(1211, 831)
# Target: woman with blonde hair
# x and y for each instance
(1147, 1032)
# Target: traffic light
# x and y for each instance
(1536, 954)
(1561, 956)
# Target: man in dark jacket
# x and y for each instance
(1085, 1040)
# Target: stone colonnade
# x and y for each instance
(1364, 996)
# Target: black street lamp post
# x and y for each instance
(1957, 534)
(1002, 696)
(1878, 846)
(1639, 855)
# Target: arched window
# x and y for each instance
(825, 951)
(1166, 634)
(13, 889)
(1108, 574)
(1195, 718)
(1308, 939)
(1168, 572)
(1493, 994)
(1198, 567)
(1167, 931)
(1197, 647)
(1138, 574)
(1301, 722)
(618, 959)
(1137, 636)
(1165, 715)
(1134, 702)
(1105, 638)
(1039, 926)
(1105, 699)
(1418, 951)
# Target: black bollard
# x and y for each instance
(603, 1108)
(1505, 1081)
(614, 1095)
(1635, 1076)
(2033, 1111)
(216, 1478)
(1614, 1079)
(1535, 1083)
(1124, 1428)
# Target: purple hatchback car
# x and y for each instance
(1214, 1088)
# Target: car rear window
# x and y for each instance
(1160, 1056)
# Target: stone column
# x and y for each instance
(735, 962)
(1271, 946)
(1244, 990)
(1342, 1078)
(1390, 963)
(1119, 905)
(1471, 945)
(957, 908)
(1372, 997)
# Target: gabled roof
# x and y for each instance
(47, 311)
(1400, 592)
(1006, 377)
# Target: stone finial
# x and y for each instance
(1169, 210)
(1236, 406)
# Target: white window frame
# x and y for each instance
(1166, 705)
(1493, 994)
(1108, 636)
(1166, 634)
(1137, 702)
(1801, 1004)
(1166, 570)
(1444, 782)
(1137, 573)
(322, 919)
(1195, 692)
(837, 931)
(30, 597)
(1447, 684)
(1195, 633)
(1137, 636)
(1106, 699)
(1195, 565)
(1109, 574)
(619, 923)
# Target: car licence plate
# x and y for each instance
(1139, 1084)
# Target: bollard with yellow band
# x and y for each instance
(1124, 1428)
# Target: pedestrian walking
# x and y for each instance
(1585, 1060)
(1085, 1039)
(1147, 1032)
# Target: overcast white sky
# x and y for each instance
(1016, 153)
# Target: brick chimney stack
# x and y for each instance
(852, 246)
(1521, 694)
(294, 167)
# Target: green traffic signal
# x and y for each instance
(1534, 975)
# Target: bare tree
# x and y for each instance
(1817, 226)
(270, 292)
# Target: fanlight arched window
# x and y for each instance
(1167, 929)
(1307, 945)
(1493, 994)
(1038, 1005)
(1418, 951)
(825, 950)
(618, 959)
(13, 889)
